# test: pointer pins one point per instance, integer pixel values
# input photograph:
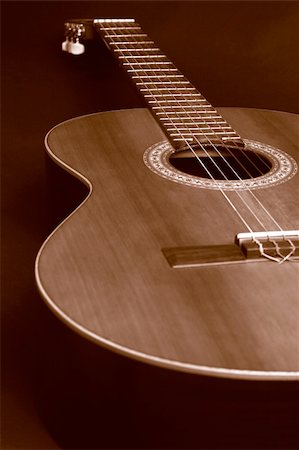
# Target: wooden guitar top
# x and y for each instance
(102, 271)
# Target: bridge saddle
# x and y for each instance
(277, 246)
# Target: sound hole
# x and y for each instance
(221, 163)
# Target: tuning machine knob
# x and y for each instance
(74, 33)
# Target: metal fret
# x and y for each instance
(198, 116)
(131, 42)
(162, 82)
(124, 35)
(190, 112)
(203, 134)
(183, 139)
(122, 50)
(177, 100)
(230, 138)
(170, 89)
(152, 70)
(182, 106)
(172, 95)
(147, 63)
(199, 129)
(143, 56)
(183, 111)
(120, 28)
(158, 76)
(125, 20)
(192, 123)
(151, 77)
(190, 117)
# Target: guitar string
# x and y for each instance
(132, 56)
(244, 153)
(212, 129)
(196, 156)
(176, 100)
(190, 118)
(199, 143)
(259, 244)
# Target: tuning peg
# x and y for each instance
(76, 48)
(67, 33)
(74, 33)
(65, 45)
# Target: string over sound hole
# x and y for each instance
(274, 166)
(221, 163)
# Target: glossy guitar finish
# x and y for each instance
(102, 271)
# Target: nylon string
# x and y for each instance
(178, 102)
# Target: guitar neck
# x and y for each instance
(183, 112)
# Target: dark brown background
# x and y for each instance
(58, 390)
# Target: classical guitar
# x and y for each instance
(185, 252)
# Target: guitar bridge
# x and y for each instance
(277, 246)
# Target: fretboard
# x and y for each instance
(185, 115)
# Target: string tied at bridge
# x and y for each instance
(284, 245)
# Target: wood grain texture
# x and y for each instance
(103, 272)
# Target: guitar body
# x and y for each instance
(103, 272)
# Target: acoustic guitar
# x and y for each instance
(185, 252)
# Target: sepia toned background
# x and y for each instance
(58, 390)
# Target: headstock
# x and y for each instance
(79, 30)
(76, 32)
